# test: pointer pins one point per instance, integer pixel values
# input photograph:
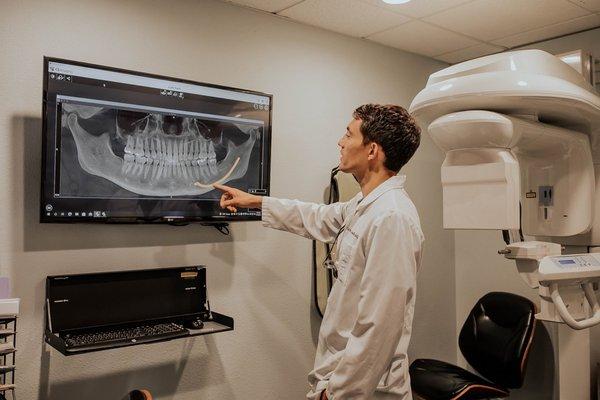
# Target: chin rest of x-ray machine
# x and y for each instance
(520, 133)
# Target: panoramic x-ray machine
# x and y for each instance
(521, 135)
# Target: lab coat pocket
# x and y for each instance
(346, 255)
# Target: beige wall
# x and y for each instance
(479, 268)
(587, 41)
(258, 276)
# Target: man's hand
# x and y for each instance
(233, 198)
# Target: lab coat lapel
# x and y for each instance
(395, 182)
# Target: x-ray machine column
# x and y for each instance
(520, 134)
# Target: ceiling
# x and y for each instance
(447, 30)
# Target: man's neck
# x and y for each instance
(371, 179)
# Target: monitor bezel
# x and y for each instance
(166, 219)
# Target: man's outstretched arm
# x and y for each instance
(314, 221)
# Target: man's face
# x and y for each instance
(354, 154)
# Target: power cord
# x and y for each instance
(221, 227)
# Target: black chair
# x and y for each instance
(495, 340)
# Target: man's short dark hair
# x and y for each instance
(391, 127)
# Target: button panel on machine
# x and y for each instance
(578, 261)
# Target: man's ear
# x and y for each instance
(373, 150)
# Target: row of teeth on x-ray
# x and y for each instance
(171, 157)
(155, 163)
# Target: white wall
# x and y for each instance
(479, 268)
(258, 276)
(587, 41)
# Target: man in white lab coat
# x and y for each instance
(364, 336)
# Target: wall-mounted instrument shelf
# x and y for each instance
(101, 311)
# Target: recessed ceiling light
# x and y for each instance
(396, 1)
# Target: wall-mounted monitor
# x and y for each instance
(125, 146)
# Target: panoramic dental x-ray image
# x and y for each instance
(149, 153)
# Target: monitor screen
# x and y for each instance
(133, 147)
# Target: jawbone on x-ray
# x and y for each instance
(161, 155)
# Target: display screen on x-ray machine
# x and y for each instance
(135, 147)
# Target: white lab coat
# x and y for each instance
(364, 336)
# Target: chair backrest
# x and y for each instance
(496, 337)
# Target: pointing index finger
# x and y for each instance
(222, 188)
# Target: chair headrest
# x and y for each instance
(496, 337)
